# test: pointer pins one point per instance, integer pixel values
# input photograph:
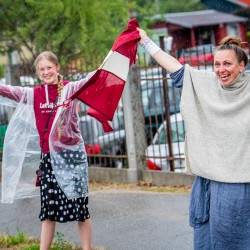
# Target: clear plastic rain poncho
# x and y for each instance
(65, 141)
(21, 145)
(21, 153)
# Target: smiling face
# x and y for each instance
(47, 71)
(227, 67)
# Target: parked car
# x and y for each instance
(197, 55)
(4, 115)
(75, 76)
(154, 103)
(28, 81)
(3, 80)
(158, 151)
(90, 131)
(99, 144)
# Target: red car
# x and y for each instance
(197, 55)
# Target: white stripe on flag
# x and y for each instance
(117, 64)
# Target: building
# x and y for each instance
(190, 29)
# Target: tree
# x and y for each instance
(83, 28)
(151, 7)
(73, 29)
(245, 12)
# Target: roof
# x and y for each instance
(200, 18)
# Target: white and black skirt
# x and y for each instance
(54, 204)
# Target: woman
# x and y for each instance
(64, 167)
(215, 107)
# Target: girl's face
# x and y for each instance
(47, 71)
(226, 66)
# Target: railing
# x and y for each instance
(164, 127)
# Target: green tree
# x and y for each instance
(245, 12)
(72, 29)
(149, 8)
(69, 28)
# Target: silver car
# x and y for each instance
(157, 154)
(104, 149)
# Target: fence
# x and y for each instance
(165, 130)
(155, 108)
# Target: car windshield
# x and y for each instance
(118, 121)
(177, 130)
(88, 128)
(153, 97)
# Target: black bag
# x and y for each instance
(39, 171)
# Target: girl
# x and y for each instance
(64, 168)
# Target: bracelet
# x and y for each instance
(150, 46)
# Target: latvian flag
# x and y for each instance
(103, 90)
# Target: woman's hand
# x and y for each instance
(165, 60)
(142, 34)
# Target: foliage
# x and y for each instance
(10, 241)
(68, 28)
(151, 7)
(1, 70)
(248, 37)
(245, 12)
(74, 29)
(62, 244)
(21, 242)
(180, 6)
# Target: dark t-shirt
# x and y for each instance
(177, 78)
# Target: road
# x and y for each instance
(122, 220)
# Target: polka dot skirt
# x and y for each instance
(54, 204)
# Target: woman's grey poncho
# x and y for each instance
(217, 122)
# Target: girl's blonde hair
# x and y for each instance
(48, 55)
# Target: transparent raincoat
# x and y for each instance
(21, 153)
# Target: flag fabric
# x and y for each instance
(103, 90)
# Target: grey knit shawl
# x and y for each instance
(217, 122)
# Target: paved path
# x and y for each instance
(122, 220)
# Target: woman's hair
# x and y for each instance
(233, 43)
(48, 55)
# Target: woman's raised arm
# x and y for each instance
(164, 59)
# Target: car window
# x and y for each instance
(146, 93)
(118, 121)
(153, 98)
(177, 130)
(3, 115)
(88, 131)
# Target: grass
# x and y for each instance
(141, 186)
(22, 242)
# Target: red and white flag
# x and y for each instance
(103, 90)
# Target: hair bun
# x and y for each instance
(231, 40)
